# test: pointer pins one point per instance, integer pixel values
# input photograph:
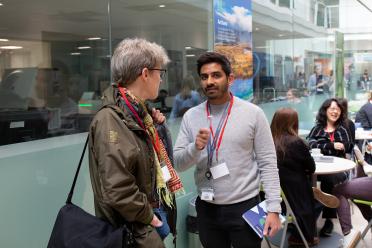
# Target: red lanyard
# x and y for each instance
(332, 136)
(155, 143)
(220, 134)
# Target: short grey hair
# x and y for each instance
(132, 55)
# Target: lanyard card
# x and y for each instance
(165, 171)
(207, 194)
(219, 170)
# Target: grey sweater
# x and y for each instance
(247, 148)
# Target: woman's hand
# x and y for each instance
(156, 222)
(369, 147)
(157, 116)
(339, 146)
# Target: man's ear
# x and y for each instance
(230, 79)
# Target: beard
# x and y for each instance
(214, 91)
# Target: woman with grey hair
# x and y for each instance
(132, 174)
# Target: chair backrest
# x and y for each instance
(359, 156)
(363, 169)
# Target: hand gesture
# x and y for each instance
(202, 138)
(157, 116)
(339, 146)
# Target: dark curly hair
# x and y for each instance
(321, 118)
(214, 57)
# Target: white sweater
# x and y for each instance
(247, 148)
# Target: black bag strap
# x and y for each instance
(69, 198)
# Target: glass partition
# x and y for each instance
(294, 56)
(54, 62)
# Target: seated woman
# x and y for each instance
(296, 167)
(293, 96)
(332, 137)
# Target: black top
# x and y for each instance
(364, 115)
(297, 157)
(319, 138)
(295, 170)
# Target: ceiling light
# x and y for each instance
(75, 54)
(83, 47)
(4, 40)
(280, 35)
(257, 29)
(190, 55)
(94, 38)
(188, 48)
(161, 6)
(1, 4)
(10, 47)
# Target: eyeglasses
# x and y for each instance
(162, 72)
(334, 109)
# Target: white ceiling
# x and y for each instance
(181, 23)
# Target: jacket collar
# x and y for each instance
(108, 100)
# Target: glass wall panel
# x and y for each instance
(355, 22)
(288, 46)
(182, 27)
(54, 61)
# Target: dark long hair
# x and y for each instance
(284, 126)
(321, 118)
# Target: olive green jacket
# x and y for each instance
(121, 165)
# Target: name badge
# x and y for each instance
(166, 174)
(207, 194)
(219, 170)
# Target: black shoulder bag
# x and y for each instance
(76, 228)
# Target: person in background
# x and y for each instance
(365, 80)
(332, 137)
(330, 86)
(186, 99)
(316, 82)
(233, 155)
(293, 96)
(301, 83)
(296, 167)
(163, 94)
(349, 124)
(364, 115)
(131, 172)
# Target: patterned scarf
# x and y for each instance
(165, 190)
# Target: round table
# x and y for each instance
(336, 166)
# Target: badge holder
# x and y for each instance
(219, 169)
(166, 174)
(207, 194)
